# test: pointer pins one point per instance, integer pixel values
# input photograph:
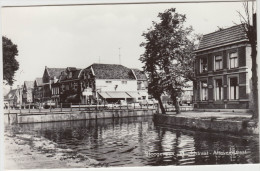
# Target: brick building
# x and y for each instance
(223, 70)
(28, 92)
(50, 77)
(67, 89)
(38, 90)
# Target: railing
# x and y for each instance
(69, 107)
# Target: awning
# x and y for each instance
(133, 94)
(104, 95)
(118, 95)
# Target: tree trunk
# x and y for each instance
(161, 106)
(176, 104)
(254, 81)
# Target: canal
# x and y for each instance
(136, 141)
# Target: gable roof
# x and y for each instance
(140, 75)
(11, 94)
(229, 35)
(38, 81)
(55, 72)
(28, 84)
(112, 71)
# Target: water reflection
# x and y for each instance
(136, 141)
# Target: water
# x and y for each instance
(136, 141)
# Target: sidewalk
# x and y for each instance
(217, 115)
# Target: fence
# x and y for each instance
(67, 107)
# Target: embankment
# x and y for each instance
(75, 115)
(232, 125)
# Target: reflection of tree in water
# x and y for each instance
(158, 147)
(95, 137)
(176, 147)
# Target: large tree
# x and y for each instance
(248, 19)
(10, 64)
(168, 58)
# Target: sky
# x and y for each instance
(78, 36)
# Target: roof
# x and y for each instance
(75, 74)
(55, 72)
(140, 75)
(112, 71)
(225, 36)
(11, 94)
(29, 84)
(39, 81)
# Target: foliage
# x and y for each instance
(10, 64)
(168, 58)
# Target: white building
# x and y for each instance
(111, 83)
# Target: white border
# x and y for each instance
(16, 3)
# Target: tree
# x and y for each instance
(249, 22)
(168, 58)
(10, 64)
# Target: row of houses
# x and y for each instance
(222, 77)
(97, 83)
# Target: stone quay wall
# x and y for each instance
(75, 115)
(209, 124)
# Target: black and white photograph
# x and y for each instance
(114, 84)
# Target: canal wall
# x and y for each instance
(75, 115)
(209, 124)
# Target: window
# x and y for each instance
(218, 63)
(204, 90)
(203, 65)
(124, 82)
(108, 81)
(218, 89)
(233, 88)
(233, 60)
(75, 85)
(70, 74)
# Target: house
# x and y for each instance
(27, 92)
(142, 84)
(67, 89)
(223, 70)
(38, 90)
(13, 98)
(109, 83)
(49, 79)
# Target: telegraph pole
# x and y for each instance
(119, 56)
